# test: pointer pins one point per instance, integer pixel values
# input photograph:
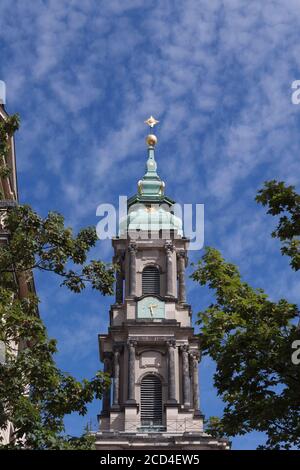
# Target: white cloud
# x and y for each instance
(217, 74)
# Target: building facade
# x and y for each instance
(150, 350)
(8, 198)
(23, 284)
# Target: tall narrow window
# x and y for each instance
(151, 401)
(151, 280)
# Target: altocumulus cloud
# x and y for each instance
(217, 74)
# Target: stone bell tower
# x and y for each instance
(150, 350)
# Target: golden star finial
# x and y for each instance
(151, 122)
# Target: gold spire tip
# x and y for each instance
(151, 122)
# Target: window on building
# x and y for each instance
(151, 280)
(151, 401)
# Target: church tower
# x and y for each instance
(150, 350)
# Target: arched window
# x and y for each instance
(151, 280)
(151, 401)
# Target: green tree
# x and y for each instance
(29, 367)
(283, 200)
(35, 394)
(250, 338)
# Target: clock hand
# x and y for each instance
(151, 307)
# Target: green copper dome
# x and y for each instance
(150, 218)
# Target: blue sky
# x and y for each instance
(84, 75)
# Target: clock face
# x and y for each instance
(150, 307)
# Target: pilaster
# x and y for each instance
(132, 268)
(169, 248)
(116, 381)
(131, 371)
(171, 372)
(181, 258)
(186, 376)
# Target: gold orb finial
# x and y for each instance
(151, 121)
(151, 140)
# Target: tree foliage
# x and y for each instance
(250, 337)
(46, 244)
(34, 394)
(283, 200)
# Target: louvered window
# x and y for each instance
(151, 401)
(151, 280)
